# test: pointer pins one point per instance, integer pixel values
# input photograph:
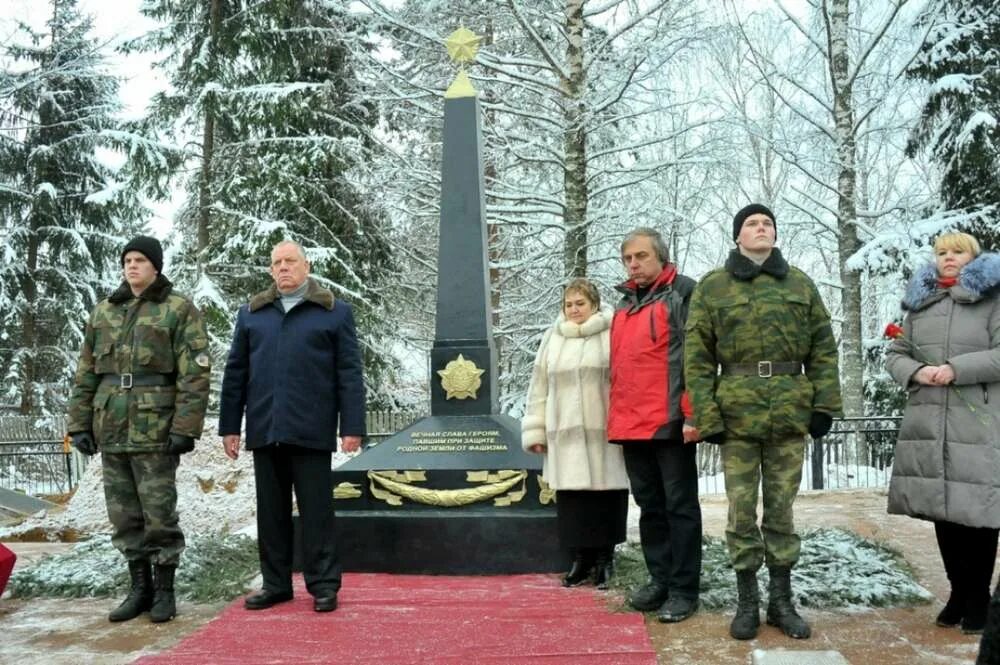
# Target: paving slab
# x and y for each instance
(783, 657)
(23, 504)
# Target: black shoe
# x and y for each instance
(677, 608)
(951, 614)
(604, 571)
(974, 616)
(579, 572)
(265, 599)
(325, 603)
(649, 597)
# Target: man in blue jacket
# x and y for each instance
(295, 369)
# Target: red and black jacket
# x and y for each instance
(647, 353)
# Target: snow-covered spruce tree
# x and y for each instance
(563, 90)
(65, 201)
(268, 93)
(960, 124)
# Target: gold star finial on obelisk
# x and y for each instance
(462, 46)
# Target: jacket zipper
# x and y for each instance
(652, 325)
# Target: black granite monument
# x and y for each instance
(453, 493)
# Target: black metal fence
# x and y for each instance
(856, 453)
(34, 458)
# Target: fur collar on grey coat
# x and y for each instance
(978, 279)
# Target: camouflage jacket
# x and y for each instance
(745, 313)
(168, 337)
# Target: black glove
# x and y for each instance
(819, 424)
(84, 442)
(178, 444)
(717, 438)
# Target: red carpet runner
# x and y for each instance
(410, 619)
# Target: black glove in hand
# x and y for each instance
(717, 438)
(178, 444)
(819, 424)
(84, 442)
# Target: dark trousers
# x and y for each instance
(969, 554)
(664, 480)
(278, 469)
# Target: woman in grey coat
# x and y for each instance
(947, 460)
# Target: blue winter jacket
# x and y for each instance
(297, 375)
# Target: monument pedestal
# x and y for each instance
(448, 495)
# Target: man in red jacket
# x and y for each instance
(649, 416)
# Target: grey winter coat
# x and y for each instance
(947, 460)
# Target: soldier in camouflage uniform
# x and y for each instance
(139, 398)
(761, 367)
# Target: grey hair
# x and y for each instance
(659, 245)
(296, 245)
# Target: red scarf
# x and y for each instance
(947, 282)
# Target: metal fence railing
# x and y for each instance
(856, 453)
(34, 458)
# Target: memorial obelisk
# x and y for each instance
(453, 493)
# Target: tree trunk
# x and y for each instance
(493, 230)
(207, 147)
(575, 145)
(852, 358)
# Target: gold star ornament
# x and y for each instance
(462, 45)
(461, 379)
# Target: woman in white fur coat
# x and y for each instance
(566, 420)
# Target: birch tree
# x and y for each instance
(564, 87)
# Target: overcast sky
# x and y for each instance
(114, 20)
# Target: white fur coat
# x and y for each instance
(567, 407)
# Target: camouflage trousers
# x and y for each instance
(775, 467)
(140, 490)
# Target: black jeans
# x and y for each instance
(278, 469)
(664, 479)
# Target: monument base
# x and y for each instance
(444, 543)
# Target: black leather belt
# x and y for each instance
(126, 381)
(764, 369)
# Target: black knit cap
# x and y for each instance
(149, 247)
(752, 209)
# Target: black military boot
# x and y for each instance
(780, 609)
(140, 595)
(604, 568)
(747, 619)
(579, 572)
(164, 607)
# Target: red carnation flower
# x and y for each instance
(893, 331)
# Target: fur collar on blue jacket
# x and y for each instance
(978, 279)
